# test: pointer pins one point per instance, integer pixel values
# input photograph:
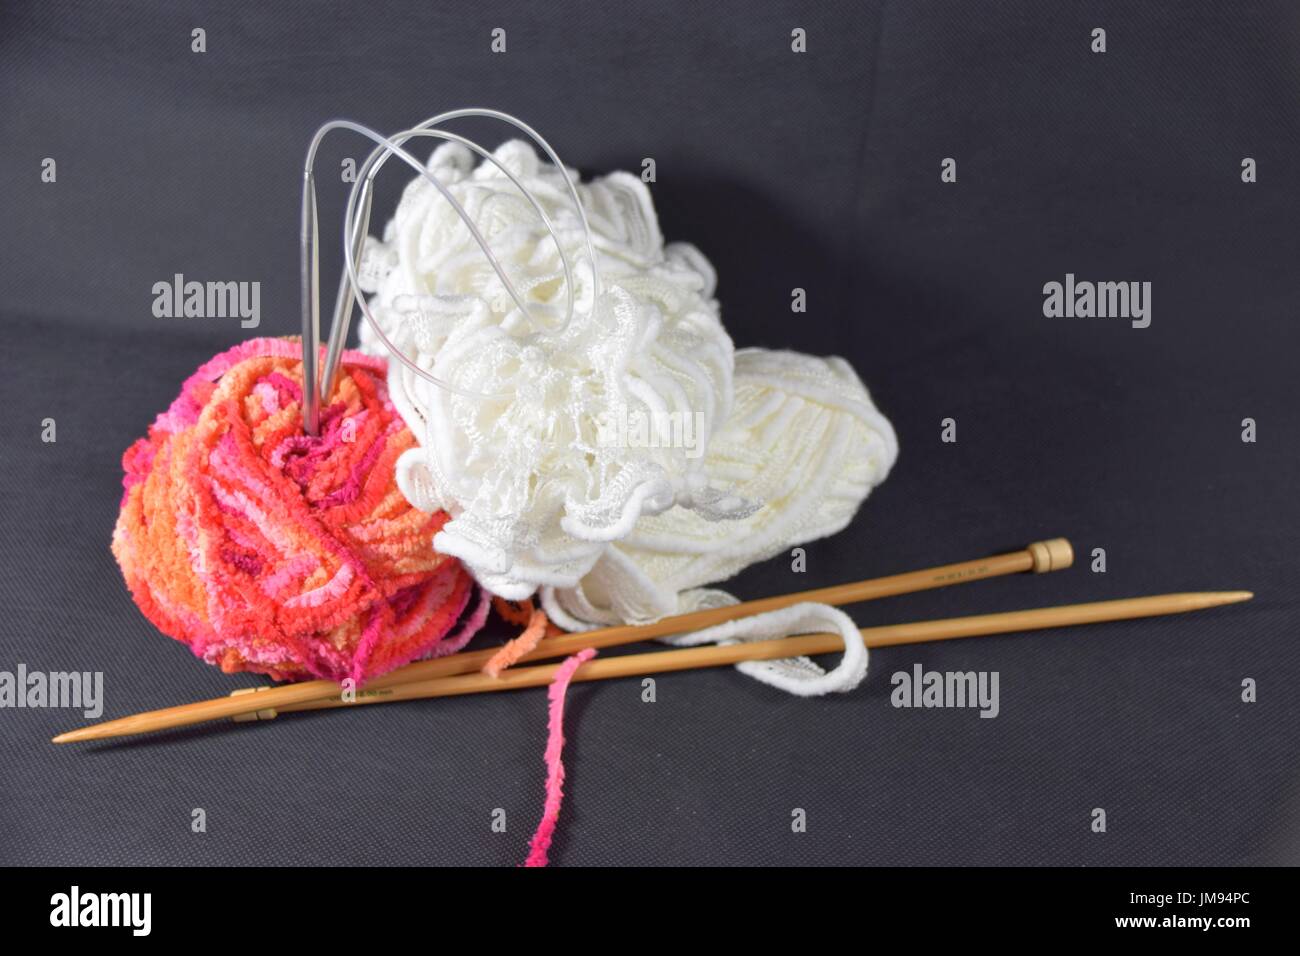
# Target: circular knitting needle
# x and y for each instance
(1040, 557)
(357, 220)
(309, 282)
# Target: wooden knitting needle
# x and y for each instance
(638, 665)
(1040, 557)
(714, 656)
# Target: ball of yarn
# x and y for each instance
(804, 438)
(265, 549)
(589, 427)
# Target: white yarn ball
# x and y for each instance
(782, 447)
(535, 486)
(803, 438)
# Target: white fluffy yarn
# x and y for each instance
(535, 489)
(805, 440)
(787, 445)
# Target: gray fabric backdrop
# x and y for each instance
(816, 170)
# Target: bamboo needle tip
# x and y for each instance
(1054, 554)
(1201, 600)
(72, 736)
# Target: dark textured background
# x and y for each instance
(819, 171)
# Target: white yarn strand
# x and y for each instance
(798, 675)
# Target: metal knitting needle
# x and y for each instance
(318, 386)
(311, 234)
(310, 289)
(344, 300)
(362, 193)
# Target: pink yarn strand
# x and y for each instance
(541, 842)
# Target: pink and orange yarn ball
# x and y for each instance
(265, 549)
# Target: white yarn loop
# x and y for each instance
(797, 675)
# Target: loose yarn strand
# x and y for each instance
(540, 845)
(525, 643)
